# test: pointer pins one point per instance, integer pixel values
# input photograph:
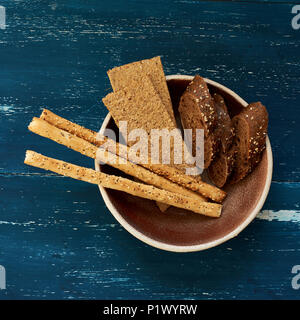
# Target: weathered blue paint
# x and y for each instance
(57, 239)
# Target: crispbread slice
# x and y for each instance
(126, 77)
(130, 76)
(140, 106)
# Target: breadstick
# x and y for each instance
(76, 129)
(145, 175)
(93, 137)
(207, 190)
(166, 171)
(118, 183)
(43, 128)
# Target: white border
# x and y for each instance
(203, 246)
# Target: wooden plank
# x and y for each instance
(57, 238)
(59, 61)
(64, 244)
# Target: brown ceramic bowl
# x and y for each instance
(181, 230)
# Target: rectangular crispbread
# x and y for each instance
(140, 106)
(130, 77)
(125, 77)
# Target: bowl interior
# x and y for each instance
(182, 228)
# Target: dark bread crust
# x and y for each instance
(197, 111)
(224, 131)
(221, 166)
(204, 102)
(250, 139)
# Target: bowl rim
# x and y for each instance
(203, 246)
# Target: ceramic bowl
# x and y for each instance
(180, 230)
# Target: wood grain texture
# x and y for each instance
(57, 239)
(56, 56)
(71, 247)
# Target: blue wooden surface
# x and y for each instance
(57, 239)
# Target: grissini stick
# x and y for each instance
(171, 173)
(122, 184)
(43, 128)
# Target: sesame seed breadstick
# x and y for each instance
(71, 127)
(168, 172)
(118, 183)
(145, 175)
(43, 128)
(201, 187)
(46, 130)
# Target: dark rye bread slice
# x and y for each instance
(221, 166)
(194, 120)
(197, 111)
(250, 139)
(224, 131)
